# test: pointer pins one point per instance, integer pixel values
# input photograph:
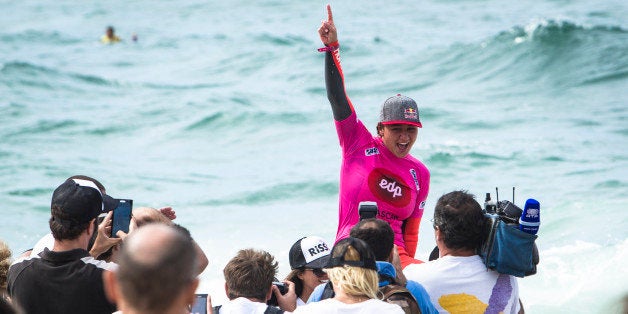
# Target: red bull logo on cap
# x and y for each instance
(410, 113)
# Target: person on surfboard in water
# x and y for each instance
(376, 168)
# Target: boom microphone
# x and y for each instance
(530, 217)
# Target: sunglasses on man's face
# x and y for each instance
(318, 272)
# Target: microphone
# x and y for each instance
(530, 217)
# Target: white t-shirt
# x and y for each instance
(459, 284)
(334, 306)
(242, 305)
(300, 302)
(47, 241)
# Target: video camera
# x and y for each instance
(510, 245)
(506, 210)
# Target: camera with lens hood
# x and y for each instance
(510, 246)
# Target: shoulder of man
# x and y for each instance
(100, 264)
(414, 271)
(16, 269)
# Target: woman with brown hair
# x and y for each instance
(307, 257)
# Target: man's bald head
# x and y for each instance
(148, 246)
(156, 263)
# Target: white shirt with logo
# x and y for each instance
(458, 284)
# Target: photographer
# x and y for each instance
(65, 279)
(458, 279)
(249, 285)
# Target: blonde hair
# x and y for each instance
(354, 281)
(5, 262)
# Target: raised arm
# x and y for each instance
(327, 31)
(334, 79)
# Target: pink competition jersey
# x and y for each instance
(370, 172)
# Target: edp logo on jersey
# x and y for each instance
(389, 188)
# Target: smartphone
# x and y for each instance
(200, 305)
(367, 210)
(121, 217)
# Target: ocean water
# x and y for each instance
(219, 110)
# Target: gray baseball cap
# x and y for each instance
(400, 109)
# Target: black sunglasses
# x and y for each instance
(318, 272)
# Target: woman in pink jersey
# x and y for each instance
(376, 168)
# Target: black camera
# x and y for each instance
(509, 212)
(367, 210)
(283, 289)
(504, 209)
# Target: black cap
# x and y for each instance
(310, 252)
(339, 254)
(108, 203)
(79, 201)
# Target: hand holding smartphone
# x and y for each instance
(121, 217)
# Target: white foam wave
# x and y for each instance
(581, 275)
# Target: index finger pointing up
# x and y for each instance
(330, 17)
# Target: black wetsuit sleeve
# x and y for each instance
(334, 81)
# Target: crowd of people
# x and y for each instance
(371, 267)
(155, 267)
